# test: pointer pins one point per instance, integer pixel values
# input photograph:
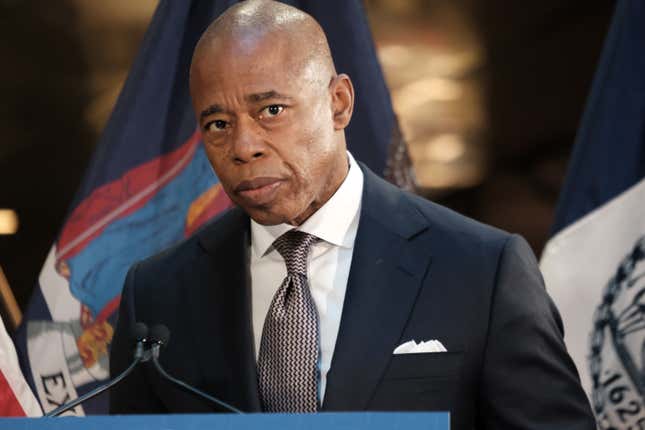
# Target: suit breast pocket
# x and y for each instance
(424, 365)
(426, 381)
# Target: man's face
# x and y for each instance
(268, 128)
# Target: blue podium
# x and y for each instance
(320, 421)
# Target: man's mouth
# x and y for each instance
(258, 190)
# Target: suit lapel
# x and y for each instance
(221, 310)
(389, 263)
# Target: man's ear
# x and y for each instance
(342, 100)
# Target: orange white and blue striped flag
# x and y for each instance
(594, 265)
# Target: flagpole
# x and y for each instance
(9, 301)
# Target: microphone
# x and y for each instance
(159, 336)
(139, 335)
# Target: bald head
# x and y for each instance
(272, 110)
(245, 26)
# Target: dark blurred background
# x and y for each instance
(488, 93)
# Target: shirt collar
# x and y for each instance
(335, 222)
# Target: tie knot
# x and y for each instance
(294, 247)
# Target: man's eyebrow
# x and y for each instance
(253, 98)
(212, 109)
(260, 97)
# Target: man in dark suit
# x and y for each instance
(296, 299)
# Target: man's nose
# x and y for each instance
(248, 141)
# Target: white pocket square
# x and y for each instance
(411, 347)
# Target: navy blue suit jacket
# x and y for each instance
(419, 271)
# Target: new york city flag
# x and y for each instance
(150, 185)
(594, 265)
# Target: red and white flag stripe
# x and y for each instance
(16, 398)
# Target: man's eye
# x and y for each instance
(271, 111)
(216, 125)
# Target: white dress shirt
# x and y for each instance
(336, 223)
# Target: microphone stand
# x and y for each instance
(155, 360)
(138, 358)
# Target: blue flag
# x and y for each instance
(150, 185)
(594, 265)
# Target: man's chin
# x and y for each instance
(266, 216)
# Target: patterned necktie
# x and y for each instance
(288, 359)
